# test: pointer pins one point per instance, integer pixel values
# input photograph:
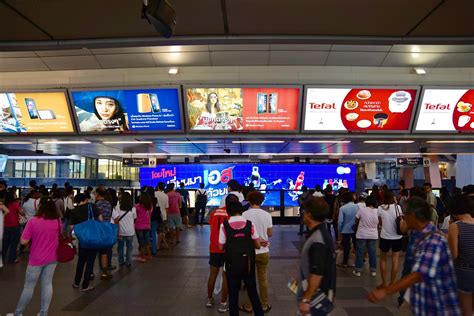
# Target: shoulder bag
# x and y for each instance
(398, 220)
(93, 234)
(66, 249)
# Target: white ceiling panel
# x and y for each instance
(17, 54)
(182, 59)
(69, 52)
(457, 60)
(432, 48)
(71, 62)
(239, 58)
(361, 48)
(298, 58)
(355, 58)
(178, 48)
(126, 60)
(22, 64)
(412, 59)
(121, 50)
(299, 47)
(217, 48)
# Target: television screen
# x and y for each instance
(267, 178)
(3, 162)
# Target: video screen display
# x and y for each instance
(359, 109)
(446, 110)
(243, 108)
(3, 162)
(35, 112)
(267, 178)
(128, 110)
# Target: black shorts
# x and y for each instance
(216, 260)
(386, 245)
(183, 211)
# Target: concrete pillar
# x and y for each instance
(406, 174)
(432, 174)
(371, 170)
(451, 169)
(464, 170)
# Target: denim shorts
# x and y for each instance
(143, 236)
(174, 221)
(465, 279)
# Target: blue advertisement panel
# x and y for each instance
(268, 178)
(134, 110)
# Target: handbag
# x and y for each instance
(398, 220)
(93, 234)
(66, 249)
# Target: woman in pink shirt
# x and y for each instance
(41, 233)
(142, 226)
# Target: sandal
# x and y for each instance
(266, 308)
(246, 309)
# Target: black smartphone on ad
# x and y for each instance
(155, 103)
(273, 103)
(262, 103)
(31, 106)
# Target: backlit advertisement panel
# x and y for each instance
(35, 112)
(265, 177)
(128, 110)
(363, 109)
(243, 108)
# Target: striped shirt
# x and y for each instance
(465, 246)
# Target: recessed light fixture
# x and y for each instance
(128, 142)
(15, 143)
(389, 141)
(449, 141)
(324, 141)
(173, 71)
(420, 71)
(258, 141)
(192, 142)
(65, 142)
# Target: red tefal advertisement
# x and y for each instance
(244, 109)
(446, 110)
(359, 110)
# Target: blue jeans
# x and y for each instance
(362, 244)
(122, 240)
(33, 273)
(11, 238)
(153, 232)
(143, 237)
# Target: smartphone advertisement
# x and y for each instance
(446, 110)
(359, 110)
(35, 112)
(243, 109)
(128, 110)
(270, 179)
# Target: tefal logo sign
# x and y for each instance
(437, 107)
(322, 106)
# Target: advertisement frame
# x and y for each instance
(223, 132)
(68, 105)
(422, 94)
(180, 108)
(410, 126)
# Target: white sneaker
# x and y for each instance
(373, 274)
(223, 307)
(356, 273)
(210, 302)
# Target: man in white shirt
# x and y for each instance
(262, 222)
(163, 203)
(234, 187)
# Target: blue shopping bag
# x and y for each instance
(93, 234)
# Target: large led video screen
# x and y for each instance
(128, 110)
(35, 112)
(268, 178)
(243, 108)
(362, 109)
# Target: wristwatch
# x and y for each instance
(305, 301)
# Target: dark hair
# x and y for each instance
(404, 192)
(420, 208)
(427, 184)
(233, 207)
(470, 189)
(55, 194)
(402, 183)
(317, 188)
(9, 197)
(255, 197)
(32, 183)
(47, 209)
(126, 202)
(328, 188)
(347, 197)
(457, 190)
(100, 192)
(201, 185)
(89, 188)
(317, 208)
(418, 192)
(55, 185)
(304, 188)
(208, 104)
(371, 201)
(461, 204)
(118, 115)
(181, 184)
(66, 184)
(145, 200)
(170, 186)
(233, 185)
(388, 197)
(31, 194)
(161, 186)
(81, 197)
(231, 198)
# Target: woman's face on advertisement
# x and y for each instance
(106, 108)
(213, 98)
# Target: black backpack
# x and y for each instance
(239, 250)
(201, 198)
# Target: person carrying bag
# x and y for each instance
(93, 234)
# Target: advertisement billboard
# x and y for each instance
(362, 109)
(128, 110)
(268, 178)
(243, 108)
(446, 110)
(35, 112)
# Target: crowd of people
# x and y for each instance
(341, 230)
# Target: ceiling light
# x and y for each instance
(449, 141)
(64, 142)
(420, 71)
(15, 143)
(173, 71)
(389, 141)
(258, 141)
(324, 141)
(128, 142)
(192, 142)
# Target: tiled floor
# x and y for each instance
(175, 284)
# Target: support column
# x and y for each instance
(464, 170)
(432, 174)
(407, 176)
(371, 170)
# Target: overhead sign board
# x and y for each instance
(410, 162)
(136, 162)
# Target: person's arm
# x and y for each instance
(222, 237)
(314, 282)
(406, 282)
(4, 209)
(341, 220)
(270, 232)
(257, 244)
(26, 235)
(453, 235)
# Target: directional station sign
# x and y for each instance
(410, 162)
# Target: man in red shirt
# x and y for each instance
(216, 257)
(174, 206)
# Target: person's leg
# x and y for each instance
(81, 261)
(394, 273)
(121, 243)
(147, 244)
(233, 284)
(129, 242)
(251, 284)
(211, 281)
(383, 268)
(346, 243)
(15, 239)
(6, 242)
(465, 300)
(109, 259)
(90, 258)
(225, 288)
(153, 232)
(372, 254)
(178, 232)
(360, 254)
(47, 274)
(261, 263)
(141, 244)
(301, 222)
(31, 277)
